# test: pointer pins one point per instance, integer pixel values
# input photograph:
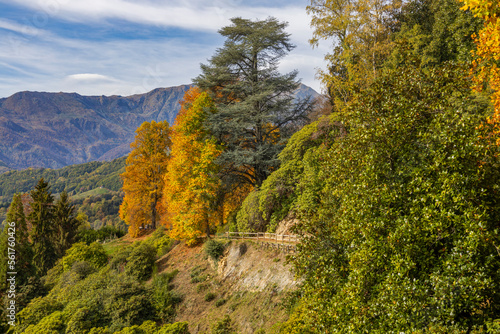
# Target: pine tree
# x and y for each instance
(43, 232)
(255, 103)
(66, 223)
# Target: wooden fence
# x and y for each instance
(273, 237)
(284, 242)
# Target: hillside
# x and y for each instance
(95, 187)
(75, 179)
(54, 130)
(249, 283)
(141, 285)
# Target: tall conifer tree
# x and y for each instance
(256, 106)
(43, 230)
(66, 222)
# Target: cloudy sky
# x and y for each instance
(125, 47)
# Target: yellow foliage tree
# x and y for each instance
(361, 31)
(194, 197)
(191, 178)
(486, 65)
(143, 177)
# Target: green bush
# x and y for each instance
(119, 260)
(141, 261)
(161, 241)
(201, 287)
(93, 254)
(175, 328)
(36, 310)
(249, 219)
(52, 324)
(209, 296)
(104, 233)
(214, 249)
(127, 302)
(164, 300)
(401, 211)
(220, 302)
(223, 326)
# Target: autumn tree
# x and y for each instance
(486, 65)
(360, 31)
(191, 182)
(142, 179)
(256, 109)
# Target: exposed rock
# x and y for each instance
(250, 269)
(286, 225)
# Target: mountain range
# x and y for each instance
(53, 130)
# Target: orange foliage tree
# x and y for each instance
(486, 65)
(194, 196)
(143, 177)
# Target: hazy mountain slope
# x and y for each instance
(59, 129)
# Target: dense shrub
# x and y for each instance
(214, 249)
(209, 296)
(51, 324)
(105, 233)
(223, 326)
(401, 212)
(164, 300)
(220, 302)
(37, 309)
(141, 261)
(94, 254)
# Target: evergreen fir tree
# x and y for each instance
(43, 232)
(256, 107)
(24, 253)
(66, 223)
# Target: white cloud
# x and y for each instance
(28, 30)
(89, 77)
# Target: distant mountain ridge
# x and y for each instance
(58, 129)
(54, 130)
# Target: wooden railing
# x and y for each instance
(272, 237)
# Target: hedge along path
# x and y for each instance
(286, 242)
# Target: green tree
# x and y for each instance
(17, 230)
(66, 222)
(44, 231)
(361, 34)
(265, 207)
(255, 104)
(399, 214)
(435, 31)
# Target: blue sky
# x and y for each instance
(125, 47)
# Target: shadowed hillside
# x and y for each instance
(58, 129)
